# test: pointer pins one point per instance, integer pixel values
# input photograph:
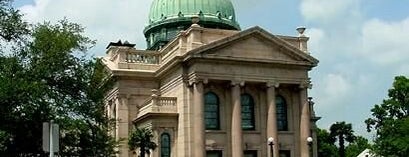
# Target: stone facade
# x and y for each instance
(164, 90)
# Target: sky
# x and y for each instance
(361, 44)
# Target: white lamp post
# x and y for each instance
(309, 141)
(271, 144)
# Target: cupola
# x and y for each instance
(168, 17)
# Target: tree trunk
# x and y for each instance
(142, 151)
(341, 146)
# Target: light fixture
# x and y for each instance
(271, 144)
(309, 140)
(270, 140)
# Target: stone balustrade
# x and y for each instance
(158, 105)
(130, 58)
(142, 57)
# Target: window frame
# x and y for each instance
(282, 113)
(251, 111)
(217, 110)
(169, 147)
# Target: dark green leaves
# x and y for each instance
(50, 77)
(12, 27)
(141, 138)
(390, 120)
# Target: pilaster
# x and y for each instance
(199, 149)
(122, 123)
(304, 120)
(272, 130)
(236, 133)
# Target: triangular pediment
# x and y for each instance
(255, 44)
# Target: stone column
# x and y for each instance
(122, 127)
(236, 133)
(272, 130)
(199, 148)
(314, 143)
(304, 122)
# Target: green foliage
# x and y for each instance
(342, 132)
(326, 146)
(356, 147)
(12, 27)
(141, 138)
(390, 121)
(51, 78)
(326, 141)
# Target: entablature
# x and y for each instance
(301, 83)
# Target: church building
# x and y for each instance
(206, 88)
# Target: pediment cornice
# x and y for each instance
(210, 50)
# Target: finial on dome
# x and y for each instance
(195, 21)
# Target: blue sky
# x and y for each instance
(361, 44)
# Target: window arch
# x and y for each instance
(211, 111)
(165, 145)
(282, 121)
(247, 112)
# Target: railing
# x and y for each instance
(142, 57)
(129, 58)
(158, 105)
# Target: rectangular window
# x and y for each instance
(285, 153)
(250, 153)
(214, 153)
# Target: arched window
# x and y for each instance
(165, 145)
(211, 111)
(247, 112)
(282, 121)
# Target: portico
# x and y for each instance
(213, 92)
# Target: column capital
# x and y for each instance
(305, 84)
(272, 83)
(237, 82)
(196, 80)
(122, 96)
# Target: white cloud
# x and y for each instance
(328, 10)
(385, 42)
(317, 36)
(358, 58)
(105, 20)
(403, 70)
(336, 85)
(332, 90)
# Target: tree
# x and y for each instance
(141, 138)
(343, 133)
(326, 146)
(390, 121)
(51, 77)
(12, 27)
(356, 147)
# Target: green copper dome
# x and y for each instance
(168, 17)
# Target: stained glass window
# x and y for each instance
(165, 145)
(247, 112)
(282, 122)
(211, 112)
